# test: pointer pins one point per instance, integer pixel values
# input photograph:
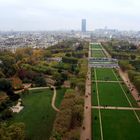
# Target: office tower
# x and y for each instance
(83, 26)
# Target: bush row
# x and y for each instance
(69, 119)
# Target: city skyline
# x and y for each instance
(67, 15)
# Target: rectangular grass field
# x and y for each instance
(110, 94)
(105, 74)
(116, 125)
(98, 53)
(96, 46)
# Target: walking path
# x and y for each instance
(102, 81)
(39, 88)
(114, 108)
(53, 99)
(86, 127)
(19, 91)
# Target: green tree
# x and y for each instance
(125, 65)
(15, 131)
(6, 86)
(2, 74)
(8, 65)
(133, 57)
(40, 81)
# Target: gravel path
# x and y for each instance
(86, 127)
(114, 108)
(102, 81)
(53, 100)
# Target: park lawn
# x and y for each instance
(92, 74)
(120, 125)
(105, 74)
(59, 96)
(111, 94)
(96, 49)
(129, 95)
(116, 124)
(117, 74)
(38, 115)
(94, 94)
(97, 46)
(98, 54)
(95, 125)
(93, 89)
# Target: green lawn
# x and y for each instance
(129, 95)
(111, 94)
(105, 74)
(96, 49)
(98, 53)
(117, 125)
(94, 94)
(38, 115)
(96, 46)
(59, 96)
(95, 52)
(96, 135)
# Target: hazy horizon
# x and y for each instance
(33, 15)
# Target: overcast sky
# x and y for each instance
(67, 14)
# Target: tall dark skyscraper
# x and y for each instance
(83, 26)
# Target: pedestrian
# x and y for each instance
(84, 128)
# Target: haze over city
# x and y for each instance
(67, 14)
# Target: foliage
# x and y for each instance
(16, 83)
(5, 85)
(70, 116)
(125, 65)
(70, 60)
(40, 81)
(2, 74)
(6, 114)
(12, 132)
(8, 65)
(135, 78)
